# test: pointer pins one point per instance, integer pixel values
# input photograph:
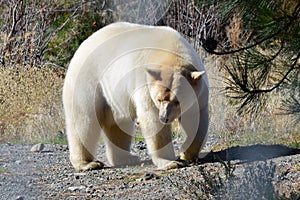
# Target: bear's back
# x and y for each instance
(117, 39)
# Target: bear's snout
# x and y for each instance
(164, 119)
(165, 114)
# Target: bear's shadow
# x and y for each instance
(258, 152)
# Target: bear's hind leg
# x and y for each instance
(82, 148)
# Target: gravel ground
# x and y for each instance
(254, 172)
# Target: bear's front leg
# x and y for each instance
(195, 126)
(118, 144)
(158, 138)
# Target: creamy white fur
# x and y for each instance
(107, 88)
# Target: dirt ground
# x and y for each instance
(250, 172)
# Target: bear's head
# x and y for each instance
(172, 88)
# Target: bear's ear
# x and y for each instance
(154, 73)
(197, 75)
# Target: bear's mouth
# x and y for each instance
(165, 119)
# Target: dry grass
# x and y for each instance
(31, 108)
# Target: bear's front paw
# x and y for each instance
(94, 165)
(188, 156)
(174, 165)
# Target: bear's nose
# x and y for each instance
(164, 119)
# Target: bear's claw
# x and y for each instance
(174, 165)
(94, 165)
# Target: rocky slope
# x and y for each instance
(252, 172)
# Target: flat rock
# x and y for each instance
(37, 147)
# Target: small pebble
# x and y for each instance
(76, 188)
(78, 175)
(148, 176)
(90, 189)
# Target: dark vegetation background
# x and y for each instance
(251, 54)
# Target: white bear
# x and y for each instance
(125, 74)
